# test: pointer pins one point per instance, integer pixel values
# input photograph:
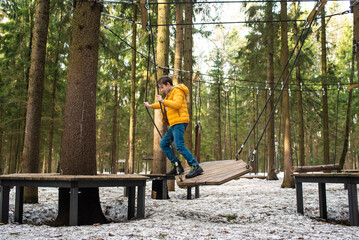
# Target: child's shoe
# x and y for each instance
(177, 169)
(195, 171)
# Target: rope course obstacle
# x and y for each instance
(301, 39)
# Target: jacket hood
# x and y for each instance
(182, 87)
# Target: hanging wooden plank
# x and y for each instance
(215, 173)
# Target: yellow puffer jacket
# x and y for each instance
(175, 105)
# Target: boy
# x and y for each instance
(175, 108)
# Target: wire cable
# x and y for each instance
(240, 1)
(249, 22)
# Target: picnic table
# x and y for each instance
(349, 179)
(73, 182)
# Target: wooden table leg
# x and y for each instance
(74, 206)
(299, 191)
(4, 204)
(141, 202)
(353, 204)
(131, 202)
(19, 203)
(322, 201)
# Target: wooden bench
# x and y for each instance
(214, 173)
(73, 182)
(350, 179)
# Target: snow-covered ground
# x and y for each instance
(240, 209)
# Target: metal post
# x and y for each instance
(196, 193)
(131, 202)
(141, 201)
(4, 204)
(189, 193)
(74, 204)
(299, 190)
(322, 201)
(164, 188)
(353, 204)
(19, 203)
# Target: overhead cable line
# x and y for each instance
(304, 88)
(203, 74)
(141, 54)
(239, 1)
(119, 18)
(248, 22)
(213, 2)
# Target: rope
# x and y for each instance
(275, 86)
(156, 78)
(250, 22)
(294, 90)
(154, 61)
(241, 1)
(250, 158)
(209, 75)
(147, 80)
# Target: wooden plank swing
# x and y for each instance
(214, 172)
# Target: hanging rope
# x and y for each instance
(270, 96)
(147, 81)
(240, 1)
(251, 156)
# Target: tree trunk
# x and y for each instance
(53, 97)
(179, 44)
(355, 11)
(219, 122)
(78, 152)
(2, 162)
(187, 65)
(114, 152)
(177, 65)
(288, 180)
(31, 148)
(132, 134)
(270, 79)
(299, 96)
(254, 142)
(349, 116)
(325, 131)
(159, 159)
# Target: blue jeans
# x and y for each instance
(176, 133)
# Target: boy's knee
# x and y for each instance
(162, 144)
(179, 147)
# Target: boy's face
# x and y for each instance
(165, 88)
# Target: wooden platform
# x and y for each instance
(215, 173)
(74, 183)
(349, 179)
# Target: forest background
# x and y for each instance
(227, 97)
